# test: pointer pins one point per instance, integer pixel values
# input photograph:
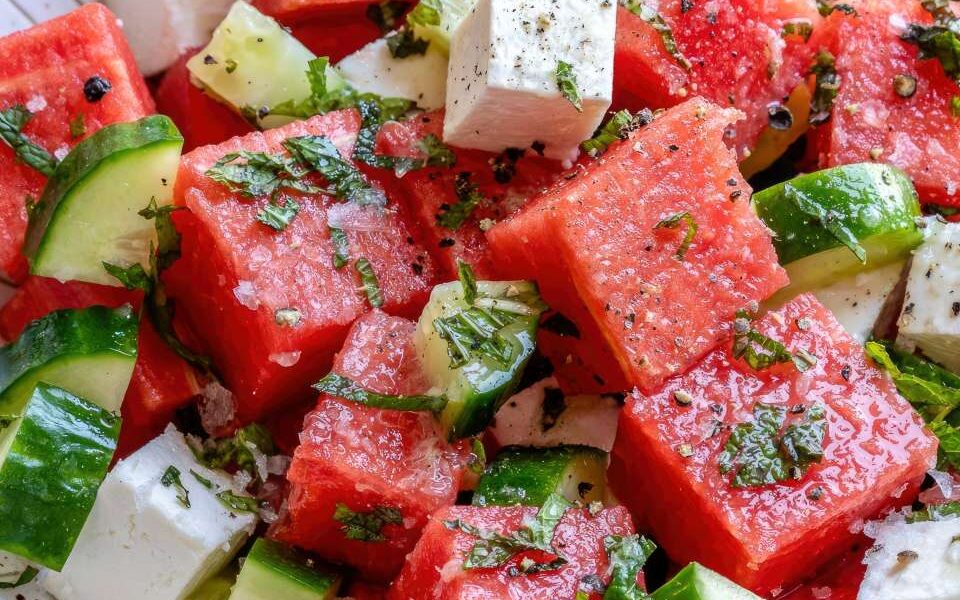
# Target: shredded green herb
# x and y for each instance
(802, 28)
(468, 281)
(762, 352)
(171, 478)
(627, 556)
(939, 42)
(366, 526)
(826, 88)
(453, 217)
(343, 387)
(278, 216)
(28, 575)
(202, 480)
(78, 128)
(935, 512)
(238, 451)
(758, 454)
(650, 15)
(404, 43)
(673, 222)
(341, 247)
(320, 154)
(567, 83)
(618, 127)
(386, 15)
(369, 282)
(238, 503)
(12, 122)
(827, 8)
(133, 277)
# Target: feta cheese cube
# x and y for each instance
(930, 320)
(502, 88)
(142, 542)
(12, 567)
(159, 31)
(857, 301)
(913, 561)
(421, 78)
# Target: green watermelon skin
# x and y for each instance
(44, 68)
(870, 121)
(875, 454)
(593, 245)
(236, 273)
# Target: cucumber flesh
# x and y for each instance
(53, 459)
(273, 570)
(528, 476)
(253, 64)
(90, 352)
(436, 20)
(696, 582)
(217, 587)
(88, 214)
(476, 388)
(873, 206)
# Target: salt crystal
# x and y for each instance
(36, 104)
(246, 294)
(285, 359)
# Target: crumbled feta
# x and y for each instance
(930, 319)
(857, 301)
(502, 83)
(420, 78)
(141, 541)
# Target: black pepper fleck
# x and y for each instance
(95, 88)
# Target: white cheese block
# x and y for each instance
(421, 78)
(502, 87)
(586, 420)
(141, 542)
(919, 561)
(930, 320)
(857, 301)
(11, 568)
(159, 31)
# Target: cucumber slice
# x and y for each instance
(253, 64)
(527, 476)
(90, 352)
(436, 20)
(217, 587)
(88, 214)
(696, 582)
(867, 209)
(273, 570)
(480, 368)
(53, 459)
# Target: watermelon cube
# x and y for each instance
(331, 28)
(201, 119)
(505, 181)
(293, 10)
(671, 462)
(269, 306)
(649, 250)
(357, 464)
(162, 382)
(915, 129)
(435, 568)
(738, 55)
(44, 69)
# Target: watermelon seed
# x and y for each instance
(95, 88)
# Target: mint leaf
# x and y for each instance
(627, 556)
(366, 526)
(278, 216)
(618, 127)
(567, 83)
(935, 512)
(236, 451)
(404, 43)
(238, 503)
(12, 122)
(369, 282)
(386, 15)
(133, 277)
(649, 14)
(342, 387)
(341, 247)
(320, 154)
(762, 352)
(171, 478)
(28, 575)
(939, 42)
(673, 222)
(453, 217)
(468, 281)
(826, 88)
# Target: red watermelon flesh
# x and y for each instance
(236, 273)
(435, 568)
(427, 191)
(365, 458)
(161, 383)
(44, 68)
(593, 245)
(738, 54)
(331, 28)
(870, 121)
(201, 119)
(291, 10)
(840, 581)
(876, 452)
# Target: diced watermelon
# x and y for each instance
(162, 382)
(594, 246)
(368, 458)
(44, 68)
(665, 462)
(331, 28)
(201, 119)
(739, 58)
(840, 581)
(870, 121)
(435, 568)
(426, 192)
(236, 273)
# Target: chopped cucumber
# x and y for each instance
(273, 570)
(253, 64)
(88, 214)
(476, 352)
(696, 582)
(436, 20)
(217, 587)
(528, 476)
(834, 223)
(53, 459)
(90, 352)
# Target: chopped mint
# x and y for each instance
(647, 11)
(366, 526)
(12, 122)
(567, 82)
(673, 222)
(404, 43)
(171, 478)
(453, 217)
(627, 555)
(369, 281)
(342, 387)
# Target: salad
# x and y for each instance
(481, 299)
